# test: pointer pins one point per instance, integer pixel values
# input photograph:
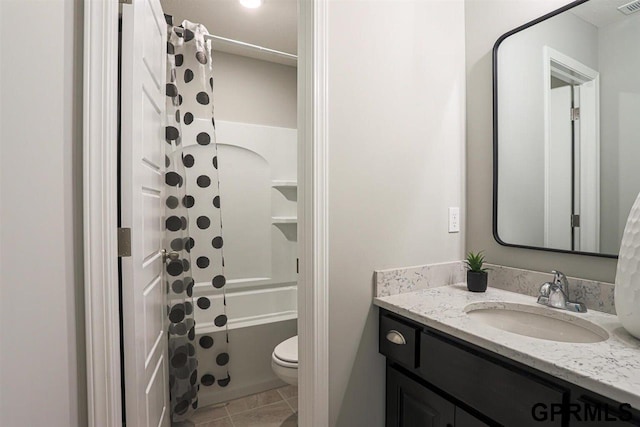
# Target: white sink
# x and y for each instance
(536, 322)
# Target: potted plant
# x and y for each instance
(476, 273)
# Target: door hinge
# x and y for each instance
(575, 221)
(124, 242)
(126, 1)
(575, 114)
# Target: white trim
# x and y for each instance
(100, 213)
(590, 165)
(313, 284)
(584, 76)
(546, 85)
(100, 201)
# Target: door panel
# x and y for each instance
(465, 419)
(410, 404)
(142, 187)
(560, 156)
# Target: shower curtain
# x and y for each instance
(190, 124)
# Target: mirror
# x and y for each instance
(567, 128)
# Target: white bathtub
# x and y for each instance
(246, 308)
(258, 320)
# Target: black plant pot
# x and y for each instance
(477, 281)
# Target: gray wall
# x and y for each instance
(487, 20)
(42, 366)
(620, 128)
(248, 90)
(396, 143)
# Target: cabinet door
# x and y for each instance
(465, 419)
(410, 404)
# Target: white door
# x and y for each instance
(560, 160)
(142, 180)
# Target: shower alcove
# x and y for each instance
(258, 200)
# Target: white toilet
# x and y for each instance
(284, 360)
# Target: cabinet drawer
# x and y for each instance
(502, 394)
(398, 341)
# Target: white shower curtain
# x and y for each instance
(190, 124)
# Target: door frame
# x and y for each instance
(589, 153)
(100, 213)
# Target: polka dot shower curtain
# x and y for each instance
(192, 186)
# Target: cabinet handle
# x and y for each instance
(396, 337)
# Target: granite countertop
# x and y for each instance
(610, 368)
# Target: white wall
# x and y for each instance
(42, 378)
(248, 90)
(486, 20)
(396, 137)
(620, 106)
(521, 130)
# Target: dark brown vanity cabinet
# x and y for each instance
(435, 380)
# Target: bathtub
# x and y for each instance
(259, 318)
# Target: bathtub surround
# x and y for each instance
(595, 295)
(257, 184)
(189, 91)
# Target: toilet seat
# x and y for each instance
(279, 362)
(286, 353)
(284, 361)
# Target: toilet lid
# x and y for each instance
(287, 350)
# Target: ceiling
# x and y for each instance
(601, 12)
(274, 25)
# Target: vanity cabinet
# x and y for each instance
(410, 403)
(437, 380)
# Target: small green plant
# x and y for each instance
(475, 262)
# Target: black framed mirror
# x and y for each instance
(566, 123)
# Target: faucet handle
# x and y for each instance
(545, 289)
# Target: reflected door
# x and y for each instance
(560, 169)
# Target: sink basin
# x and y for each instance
(536, 322)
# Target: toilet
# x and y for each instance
(284, 360)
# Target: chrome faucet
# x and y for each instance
(556, 294)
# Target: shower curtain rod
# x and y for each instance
(248, 45)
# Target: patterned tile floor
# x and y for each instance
(272, 408)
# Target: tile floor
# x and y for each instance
(272, 408)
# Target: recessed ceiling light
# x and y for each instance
(251, 4)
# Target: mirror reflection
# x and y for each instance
(568, 129)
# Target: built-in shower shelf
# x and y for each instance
(281, 183)
(284, 220)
